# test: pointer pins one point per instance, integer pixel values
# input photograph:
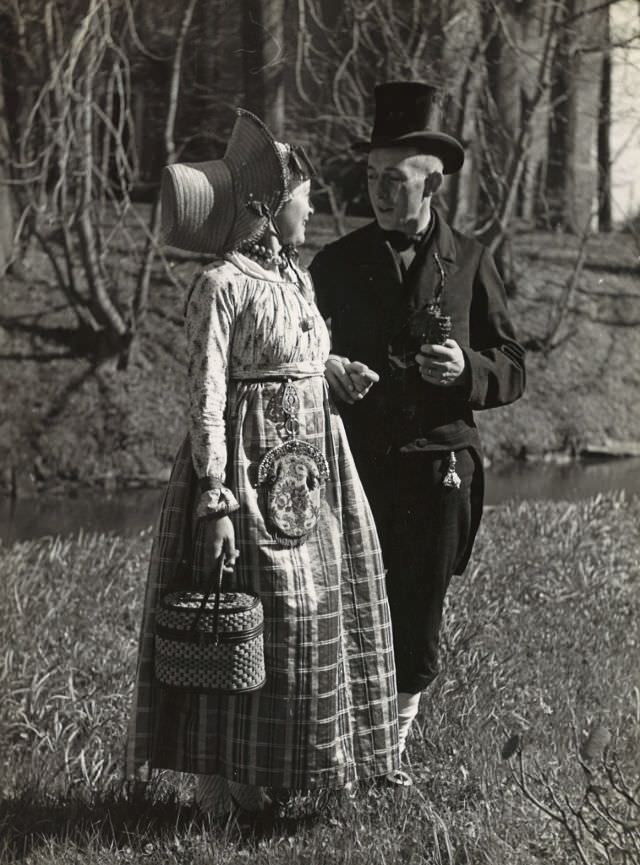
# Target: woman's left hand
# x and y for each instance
(336, 375)
(362, 378)
(349, 380)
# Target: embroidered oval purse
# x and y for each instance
(292, 474)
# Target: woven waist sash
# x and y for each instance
(278, 371)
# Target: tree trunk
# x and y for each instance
(263, 61)
(572, 174)
(559, 160)
(101, 303)
(500, 122)
(153, 239)
(6, 199)
(604, 142)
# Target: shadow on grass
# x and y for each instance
(27, 823)
(80, 341)
(73, 339)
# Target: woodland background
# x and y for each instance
(98, 95)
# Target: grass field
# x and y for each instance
(540, 642)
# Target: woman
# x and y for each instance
(257, 346)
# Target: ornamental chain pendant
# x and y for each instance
(452, 478)
(290, 409)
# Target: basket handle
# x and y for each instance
(217, 587)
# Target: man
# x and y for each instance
(385, 287)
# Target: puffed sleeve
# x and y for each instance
(209, 317)
(496, 358)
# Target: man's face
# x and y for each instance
(396, 179)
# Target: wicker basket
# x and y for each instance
(210, 641)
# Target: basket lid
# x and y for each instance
(230, 602)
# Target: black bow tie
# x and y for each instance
(401, 241)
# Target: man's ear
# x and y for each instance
(432, 183)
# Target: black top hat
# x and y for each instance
(405, 111)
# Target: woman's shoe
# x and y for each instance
(398, 778)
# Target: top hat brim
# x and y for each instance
(439, 144)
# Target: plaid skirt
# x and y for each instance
(327, 715)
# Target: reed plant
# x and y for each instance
(532, 724)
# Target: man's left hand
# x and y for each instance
(442, 365)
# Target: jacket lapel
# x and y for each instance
(399, 298)
(385, 291)
(432, 268)
(385, 276)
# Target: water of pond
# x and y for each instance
(129, 512)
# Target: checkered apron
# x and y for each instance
(327, 714)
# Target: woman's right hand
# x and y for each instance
(219, 539)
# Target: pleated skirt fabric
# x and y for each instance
(327, 715)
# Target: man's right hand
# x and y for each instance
(349, 380)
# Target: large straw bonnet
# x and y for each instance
(212, 207)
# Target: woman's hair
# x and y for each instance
(298, 167)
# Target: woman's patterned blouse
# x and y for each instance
(239, 316)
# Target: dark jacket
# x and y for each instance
(375, 311)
